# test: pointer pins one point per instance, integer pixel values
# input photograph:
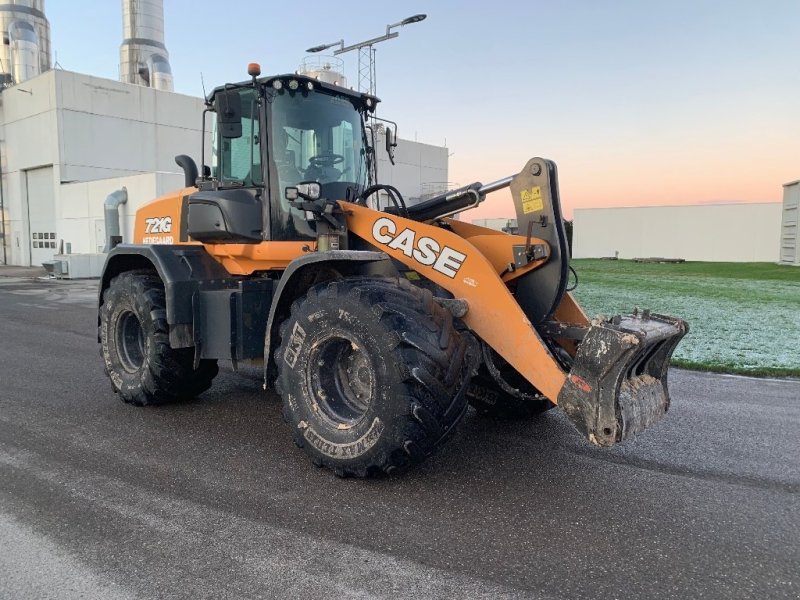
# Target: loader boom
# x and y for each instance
(623, 358)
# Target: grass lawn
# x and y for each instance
(743, 317)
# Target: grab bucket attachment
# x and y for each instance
(617, 386)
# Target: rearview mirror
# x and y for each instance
(391, 143)
(228, 106)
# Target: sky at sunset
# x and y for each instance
(638, 102)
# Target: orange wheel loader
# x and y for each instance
(378, 322)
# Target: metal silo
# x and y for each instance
(144, 59)
(25, 51)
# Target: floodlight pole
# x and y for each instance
(367, 78)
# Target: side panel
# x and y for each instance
(452, 262)
(232, 321)
(246, 259)
(163, 220)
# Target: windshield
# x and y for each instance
(316, 137)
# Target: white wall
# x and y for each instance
(27, 120)
(109, 129)
(709, 232)
(88, 129)
(416, 164)
(790, 224)
(81, 216)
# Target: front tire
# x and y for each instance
(372, 373)
(144, 369)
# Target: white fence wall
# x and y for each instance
(790, 224)
(708, 232)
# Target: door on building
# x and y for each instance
(41, 215)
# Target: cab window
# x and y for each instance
(239, 159)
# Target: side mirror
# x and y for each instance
(309, 190)
(391, 143)
(228, 106)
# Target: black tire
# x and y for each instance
(520, 400)
(372, 374)
(143, 368)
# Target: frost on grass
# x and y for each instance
(736, 322)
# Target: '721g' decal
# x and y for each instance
(424, 250)
(158, 225)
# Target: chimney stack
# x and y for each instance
(25, 51)
(144, 59)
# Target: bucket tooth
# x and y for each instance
(617, 386)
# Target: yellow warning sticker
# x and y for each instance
(532, 200)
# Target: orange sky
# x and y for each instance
(638, 102)
(745, 165)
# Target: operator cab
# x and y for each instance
(270, 134)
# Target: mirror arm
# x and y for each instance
(203, 145)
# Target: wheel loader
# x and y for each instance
(377, 321)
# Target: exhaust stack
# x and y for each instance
(25, 52)
(144, 59)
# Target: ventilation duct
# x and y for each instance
(112, 218)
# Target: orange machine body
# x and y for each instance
(161, 221)
(467, 260)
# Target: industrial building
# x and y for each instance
(705, 232)
(61, 130)
(69, 140)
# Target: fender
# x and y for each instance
(455, 264)
(308, 270)
(181, 268)
(192, 281)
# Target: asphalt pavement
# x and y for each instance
(211, 499)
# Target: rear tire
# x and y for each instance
(372, 374)
(520, 400)
(144, 369)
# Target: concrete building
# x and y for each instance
(708, 232)
(68, 140)
(790, 224)
(419, 170)
(61, 128)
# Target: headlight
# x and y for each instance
(277, 84)
(293, 85)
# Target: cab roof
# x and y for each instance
(303, 80)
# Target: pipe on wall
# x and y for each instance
(112, 217)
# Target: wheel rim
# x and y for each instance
(342, 379)
(130, 341)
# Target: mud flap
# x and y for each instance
(617, 386)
